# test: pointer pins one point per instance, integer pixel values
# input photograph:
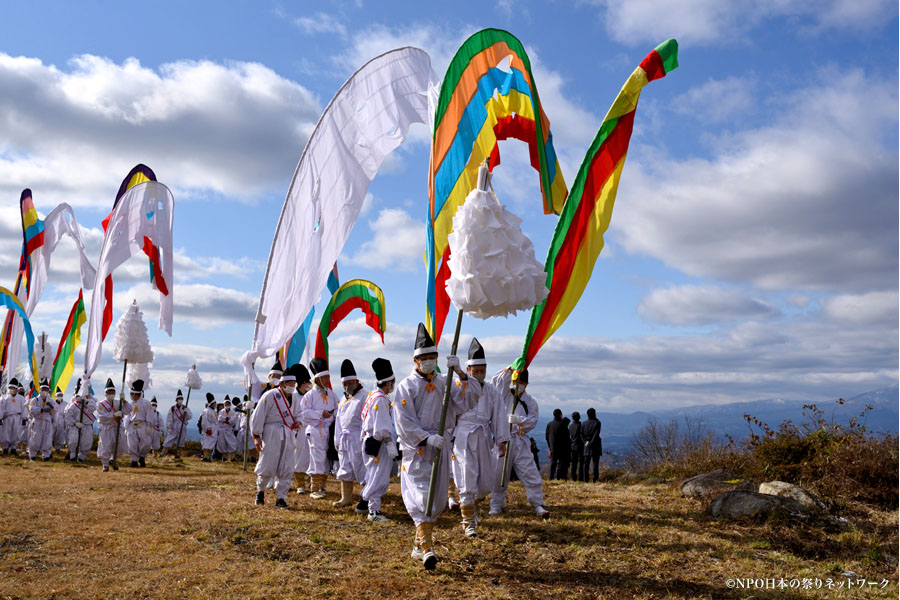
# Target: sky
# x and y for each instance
(753, 249)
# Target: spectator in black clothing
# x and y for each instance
(557, 436)
(566, 460)
(534, 450)
(577, 446)
(593, 448)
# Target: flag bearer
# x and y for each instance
(317, 413)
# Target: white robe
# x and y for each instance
(417, 413)
(313, 404)
(139, 429)
(273, 419)
(14, 412)
(478, 431)
(347, 436)
(520, 456)
(156, 422)
(178, 419)
(73, 414)
(226, 436)
(40, 438)
(105, 415)
(377, 423)
(209, 426)
(59, 426)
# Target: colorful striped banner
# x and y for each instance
(64, 363)
(480, 105)
(10, 301)
(578, 238)
(356, 293)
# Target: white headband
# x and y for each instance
(476, 362)
(321, 374)
(426, 350)
(348, 378)
(287, 378)
(380, 381)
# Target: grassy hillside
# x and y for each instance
(172, 531)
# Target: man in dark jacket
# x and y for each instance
(557, 436)
(577, 446)
(590, 436)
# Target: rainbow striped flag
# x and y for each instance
(479, 105)
(64, 363)
(578, 238)
(356, 293)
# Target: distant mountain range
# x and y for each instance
(728, 419)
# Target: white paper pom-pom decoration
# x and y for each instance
(193, 380)
(493, 272)
(131, 342)
(136, 371)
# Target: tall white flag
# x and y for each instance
(367, 119)
(144, 213)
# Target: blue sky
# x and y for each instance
(753, 248)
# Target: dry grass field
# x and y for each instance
(192, 531)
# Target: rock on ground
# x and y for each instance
(789, 490)
(711, 484)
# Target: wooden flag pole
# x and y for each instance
(432, 484)
(115, 457)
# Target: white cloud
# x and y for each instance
(204, 306)
(864, 309)
(808, 202)
(321, 23)
(718, 100)
(236, 129)
(699, 305)
(397, 242)
(699, 22)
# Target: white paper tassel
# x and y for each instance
(131, 342)
(193, 380)
(493, 272)
(137, 371)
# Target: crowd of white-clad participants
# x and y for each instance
(299, 426)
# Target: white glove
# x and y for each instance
(452, 363)
(435, 441)
(247, 405)
(516, 419)
(118, 413)
(78, 425)
(391, 450)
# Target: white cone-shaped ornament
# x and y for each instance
(43, 354)
(136, 371)
(493, 272)
(193, 380)
(131, 342)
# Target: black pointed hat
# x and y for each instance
(210, 399)
(110, 386)
(383, 370)
(227, 398)
(523, 376)
(235, 401)
(153, 400)
(58, 391)
(276, 369)
(13, 382)
(319, 367)
(179, 395)
(347, 370)
(476, 354)
(137, 386)
(44, 383)
(302, 374)
(424, 343)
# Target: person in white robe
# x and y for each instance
(347, 436)
(110, 412)
(13, 416)
(139, 429)
(417, 413)
(377, 441)
(523, 420)
(272, 425)
(43, 414)
(59, 425)
(209, 427)
(80, 417)
(226, 433)
(317, 413)
(156, 422)
(178, 420)
(481, 433)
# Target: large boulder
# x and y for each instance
(712, 484)
(738, 505)
(789, 490)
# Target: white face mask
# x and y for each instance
(520, 389)
(178, 401)
(427, 366)
(45, 395)
(290, 389)
(111, 396)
